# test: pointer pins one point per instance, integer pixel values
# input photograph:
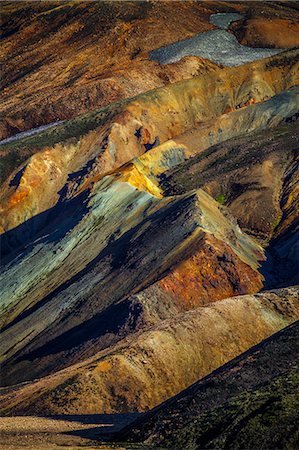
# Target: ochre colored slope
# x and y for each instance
(127, 130)
(147, 368)
(98, 231)
(95, 51)
(127, 267)
(259, 187)
(64, 59)
(249, 402)
(100, 258)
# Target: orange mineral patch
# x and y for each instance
(103, 366)
(18, 196)
(212, 273)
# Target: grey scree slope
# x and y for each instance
(30, 132)
(223, 20)
(218, 46)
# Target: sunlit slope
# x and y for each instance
(114, 242)
(90, 146)
(151, 366)
(249, 402)
(60, 60)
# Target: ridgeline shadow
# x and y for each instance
(105, 426)
(49, 226)
(107, 324)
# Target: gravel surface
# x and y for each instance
(30, 132)
(218, 46)
(60, 432)
(223, 20)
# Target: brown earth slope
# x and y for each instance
(268, 32)
(107, 238)
(149, 367)
(249, 403)
(60, 60)
(74, 274)
(116, 258)
(256, 177)
(250, 174)
(68, 158)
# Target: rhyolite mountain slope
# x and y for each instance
(92, 233)
(62, 59)
(247, 403)
(142, 231)
(68, 157)
(260, 188)
(236, 171)
(148, 367)
(73, 273)
(118, 220)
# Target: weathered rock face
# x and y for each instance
(149, 367)
(249, 401)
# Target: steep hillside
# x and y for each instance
(236, 171)
(149, 222)
(60, 60)
(86, 230)
(248, 403)
(73, 154)
(260, 188)
(64, 286)
(151, 366)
